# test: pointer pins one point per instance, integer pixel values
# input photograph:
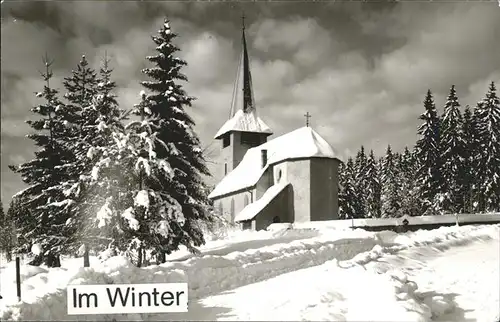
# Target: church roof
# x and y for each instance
(244, 122)
(301, 143)
(253, 209)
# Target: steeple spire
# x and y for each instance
(243, 113)
(248, 100)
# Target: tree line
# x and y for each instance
(454, 167)
(126, 179)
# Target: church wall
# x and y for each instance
(281, 206)
(298, 174)
(239, 150)
(324, 189)
(227, 156)
(263, 184)
(239, 200)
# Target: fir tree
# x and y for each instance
(175, 128)
(6, 238)
(137, 213)
(452, 153)
(101, 119)
(469, 153)
(349, 206)
(488, 139)
(44, 199)
(391, 205)
(361, 180)
(427, 152)
(373, 188)
(409, 191)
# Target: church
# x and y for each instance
(291, 178)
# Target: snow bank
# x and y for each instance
(206, 275)
(418, 220)
(212, 274)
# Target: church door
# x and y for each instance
(276, 220)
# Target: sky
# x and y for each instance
(360, 69)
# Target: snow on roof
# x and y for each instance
(253, 209)
(244, 122)
(301, 143)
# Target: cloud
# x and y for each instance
(361, 70)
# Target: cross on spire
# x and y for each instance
(308, 116)
(243, 20)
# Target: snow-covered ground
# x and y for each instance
(327, 274)
(421, 283)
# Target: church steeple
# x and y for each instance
(244, 129)
(248, 99)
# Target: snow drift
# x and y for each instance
(44, 290)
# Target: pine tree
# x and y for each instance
(452, 153)
(409, 191)
(391, 205)
(175, 128)
(469, 153)
(349, 206)
(361, 180)
(488, 137)
(137, 214)
(101, 119)
(44, 199)
(373, 188)
(20, 217)
(427, 152)
(6, 238)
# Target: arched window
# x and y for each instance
(246, 200)
(279, 175)
(221, 208)
(232, 210)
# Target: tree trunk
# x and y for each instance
(162, 257)
(86, 259)
(52, 260)
(37, 261)
(139, 257)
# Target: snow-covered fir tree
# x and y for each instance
(5, 234)
(373, 188)
(469, 153)
(349, 206)
(452, 154)
(100, 120)
(182, 145)
(137, 214)
(361, 180)
(391, 203)
(409, 191)
(488, 156)
(427, 153)
(44, 204)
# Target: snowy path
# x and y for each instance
(472, 275)
(467, 275)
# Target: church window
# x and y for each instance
(225, 168)
(221, 208)
(232, 210)
(280, 174)
(226, 140)
(251, 139)
(246, 200)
